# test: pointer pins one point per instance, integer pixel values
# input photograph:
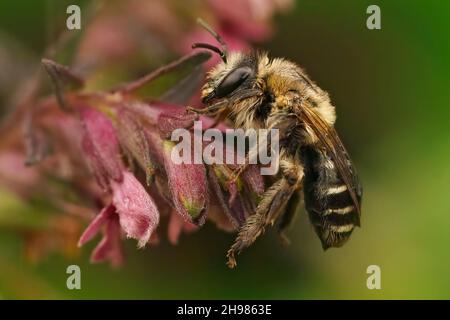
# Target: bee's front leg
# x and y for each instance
(213, 109)
(269, 209)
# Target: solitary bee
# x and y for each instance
(255, 91)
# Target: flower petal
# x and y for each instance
(96, 224)
(188, 186)
(109, 248)
(133, 138)
(100, 145)
(168, 122)
(137, 212)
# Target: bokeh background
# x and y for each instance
(391, 90)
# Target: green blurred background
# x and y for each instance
(391, 89)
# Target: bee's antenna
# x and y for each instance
(223, 46)
(212, 48)
(213, 33)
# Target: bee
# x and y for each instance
(255, 91)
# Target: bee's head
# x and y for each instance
(234, 72)
(228, 78)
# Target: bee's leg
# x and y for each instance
(199, 111)
(288, 216)
(237, 172)
(255, 224)
(269, 209)
(215, 108)
(221, 105)
(250, 158)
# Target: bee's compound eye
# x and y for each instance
(232, 81)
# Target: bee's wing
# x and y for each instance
(330, 141)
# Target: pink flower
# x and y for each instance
(101, 146)
(109, 247)
(137, 212)
(122, 137)
(134, 142)
(131, 210)
(188, 186)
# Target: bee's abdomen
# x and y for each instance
(327, 199)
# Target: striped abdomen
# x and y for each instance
(330, 207)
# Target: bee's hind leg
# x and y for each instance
(273, 203)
